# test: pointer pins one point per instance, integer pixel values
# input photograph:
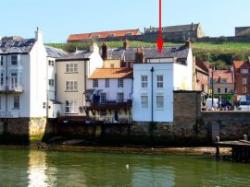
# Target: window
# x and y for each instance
(218, 90)
(244, 89)
(71, 86)
(71, 68)
(159, 81)
(160, 102)
(144, 101)
(144, 81)
(244, 81)
(244, 71)
(223, 81)
(120, 83)
(16, 103)
(120, 97)
(95, 83)
(14, 60)
(226, 90)
(44, 105)
(2, 79)
(52, 82)
(70, 107)
(51, 63)
(103, 97)
(106, 83)
(1, 61)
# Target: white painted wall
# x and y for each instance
(113, 88)
(32, 78)
(145, 114)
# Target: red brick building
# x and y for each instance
(103, 35)
(242, 77)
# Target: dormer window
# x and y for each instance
(14, 60)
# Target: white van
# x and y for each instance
(209, 104)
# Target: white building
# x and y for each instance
(23, 81)
(155, 80)
(73, 70)
(54, 107)
(109, 92)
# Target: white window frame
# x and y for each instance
(244, 71)
(14, 60)
(144, 81)
(120, 83)
(71, 86)
(160, 81)
(16, 102)
(103, 97)
(244, 81)
(144, 101)
(120, 97)
(71, 68)
(107, 83)
(160, 105)
(95, 83)
(70, 107)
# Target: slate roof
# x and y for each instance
(16, 45)
(80, 55)
(54, 52)
(112, 73)
(180, 52)
(101, 35)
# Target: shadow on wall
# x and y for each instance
(21, 131)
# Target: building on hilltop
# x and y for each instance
(179, 33)
(102, 35)
(242, 31)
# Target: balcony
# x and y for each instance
(11, 89)
(109, 105)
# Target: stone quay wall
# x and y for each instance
(191, 127)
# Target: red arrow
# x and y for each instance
(160, 41)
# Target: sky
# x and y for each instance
(59, 18)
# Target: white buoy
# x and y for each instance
(127, 166)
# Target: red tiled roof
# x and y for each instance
(112, 73)
(222, 74)
(101, 35)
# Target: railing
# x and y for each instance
(11, 89)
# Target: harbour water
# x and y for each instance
(41, 169)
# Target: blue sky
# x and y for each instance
(59, 18)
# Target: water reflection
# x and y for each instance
(37, 169)
(42, 169)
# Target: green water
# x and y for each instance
(39, 169)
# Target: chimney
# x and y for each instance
(126, 44)
(139, 57)
(104, 51)
(94, 48)
(39, 35)
(188, 44)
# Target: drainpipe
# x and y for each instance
(152, 94)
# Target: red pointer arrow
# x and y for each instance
(160, 41)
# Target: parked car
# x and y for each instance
(244, 106)
(212, 106)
